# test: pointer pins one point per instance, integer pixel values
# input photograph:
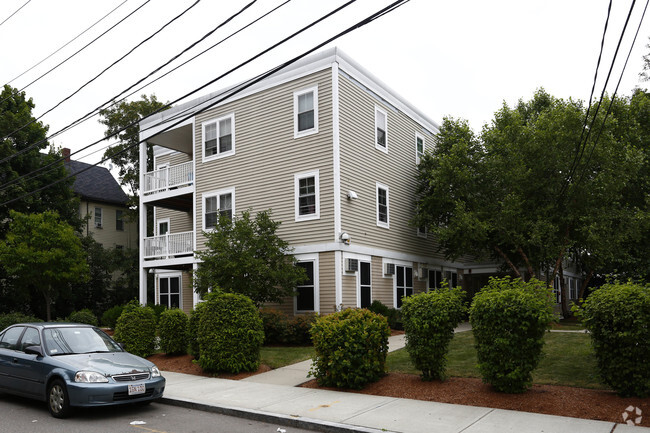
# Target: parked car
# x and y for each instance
(73, 365)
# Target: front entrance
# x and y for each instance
(170, 291)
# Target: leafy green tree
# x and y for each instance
(44, 253)
(246, 256)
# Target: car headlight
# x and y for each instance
(155, 372)
(90, 377)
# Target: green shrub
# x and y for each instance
(193, 330)
(110, 316)
(351, 348)
(393, 315)
(83, 316)
(9, 319)
(509, 318)
(230, 334)
(379, 308)
(172, 328)
(429, 322)
(298, 329)
(136, 329)
(158, 309)
(617, 317)
(275, 326)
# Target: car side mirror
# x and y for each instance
(34, 350)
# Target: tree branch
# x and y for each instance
(505, 257)
(528, 266)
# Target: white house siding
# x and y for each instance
(267, 156)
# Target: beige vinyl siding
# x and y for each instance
(362, 166)
(108, 236)
(179, 221)
(327, 282)
(187, 293)
(267, 156)
(349, 289)
(382, 287)
(173, 158)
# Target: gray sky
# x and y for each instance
(458, 58)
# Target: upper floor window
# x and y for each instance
(215, 205)
(419, 148)
(219, 137)
(305, 107)
(307, 196)
(119, 220)
(381, 129)
(382, 206)
(98, 217)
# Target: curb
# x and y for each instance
(269, 417)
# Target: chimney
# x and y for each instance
(66, 154)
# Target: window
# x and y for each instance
(404, 283)
(98, 217)
(440, 280)
(30, 338)
(170, 292)
(119, 220)
(382, 206)
(419, 148)
(422, 231)
(573, 288)
(219, 137)
(365, 286)
(215, 205)
(163, 226)
(305, 107)
(9, 340)
(307, 196)
(306, 293)
(435, 279)
(381, 130)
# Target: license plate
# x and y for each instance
(137, 389)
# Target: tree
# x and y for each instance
(44, 253)
(246, 256)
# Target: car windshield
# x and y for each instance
(70, 340)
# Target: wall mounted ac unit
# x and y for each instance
(390, 269)
(423, 274)
(351, 265)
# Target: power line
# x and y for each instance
(7, 19)
(67, 43)
(393, 6)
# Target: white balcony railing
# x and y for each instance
(168, 178)
(169, 245)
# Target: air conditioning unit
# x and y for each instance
(351, 265)
(390, 269)
(98, 225)
(423, 274)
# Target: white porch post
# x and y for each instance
(143, 223)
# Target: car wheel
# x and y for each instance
(57, 399)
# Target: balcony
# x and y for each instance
(169, 245)
(169, 178)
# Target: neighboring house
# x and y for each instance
(104, 201)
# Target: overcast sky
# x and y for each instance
(460, 58)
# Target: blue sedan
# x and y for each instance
(73, 365)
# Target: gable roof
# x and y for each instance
(96, 183)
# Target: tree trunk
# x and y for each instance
(584, 286)
(505, 257)
(528, 266)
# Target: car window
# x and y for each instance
(10, 337)
(71, 340)
(30, 338)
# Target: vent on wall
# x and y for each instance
(390, 269)
(351, 265)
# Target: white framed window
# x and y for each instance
(381, 129)
(403, 284)
(422, 232)
(307, 195)
(219, 137)
(99, 218)
(217, 204)
(162, 226)
(307, 293)
(419, 147)
(119, 220)
(305, 112)
(364, 295)
(383, 218)
(169, 290)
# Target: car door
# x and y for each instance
(8, 345)
(30, 369)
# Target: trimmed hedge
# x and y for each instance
(9, 319)
(351, 348)
(172, 328)
(509, 318)
(193, 330)
(618, 319)
(110, 316)
(282, 329)
(393, 315)
(230, 334)
(83, 316)
(136, 329)
(429, 322)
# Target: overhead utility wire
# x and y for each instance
(68, 43)
(7, 19)
(261, 77)
(106, 69)
(82, 48)
(186, 95)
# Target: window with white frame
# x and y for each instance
(381, 129)
(216, 205)
(419, 148)
(305, 297)
(365, 285)
(403, 284)
(573, 288)
(98, 217)
(219, 137)
(170, 291)
(305, 106)
(382, 206)
(422, 231)
(435, 279)
(307, 196)
(119, 220)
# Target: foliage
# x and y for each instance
(193, 330)
(429, 322)
(509, 318)
(83, 316)
(351, 347)
(617, 317)
(393, 315)
(379, 308)
(8, 319)
(230, 334)
(110, 316)
(136, 329)
(42, 252)
(281, 329)
(172, 328)
(298, 331)
(158, 309)
(246, 256)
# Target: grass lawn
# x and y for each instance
(568, 360)
(568, 325)
(280, 356)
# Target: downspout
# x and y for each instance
(336, 150)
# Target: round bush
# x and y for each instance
(618, 319)
(429, 322)
(110, 316)
(9, 319)
(509, 318)
(351, 348)
(230, 334)
(193, 330)
(83, 316)
(136, 329)
(172, 328)
(298, 329)
(275, 326)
